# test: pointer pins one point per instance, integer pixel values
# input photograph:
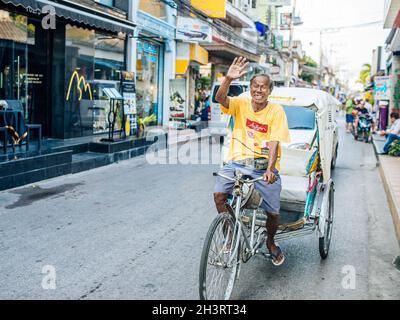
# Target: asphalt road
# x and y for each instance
(135, 231)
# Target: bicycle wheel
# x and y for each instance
(219, 260)
(325, 241)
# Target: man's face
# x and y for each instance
(260, 90)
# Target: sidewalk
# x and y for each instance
(390, 171)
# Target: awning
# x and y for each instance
(187, 53)
(229, 52)
(78, 13)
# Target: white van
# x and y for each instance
(218, 125)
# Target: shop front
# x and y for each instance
(153, 48)
(190, 58)
(149, 80)
(57, 76)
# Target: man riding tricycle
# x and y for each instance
(274, 185)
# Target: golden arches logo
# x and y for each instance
(80, 80)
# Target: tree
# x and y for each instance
(308, 76)
(365, 74)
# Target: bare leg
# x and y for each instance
(272, 228)
(220, 202)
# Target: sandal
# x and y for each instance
(275, 256)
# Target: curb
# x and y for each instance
(394, 207)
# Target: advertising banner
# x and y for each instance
(193, 30)
(382, 88)
(286, 20)
(128, 88)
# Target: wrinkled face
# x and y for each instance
(260, 90)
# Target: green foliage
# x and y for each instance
(307, 77)
(205, 82)
(395, 149)
(365, 74)
(308, 61)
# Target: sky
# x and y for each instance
(347, 48)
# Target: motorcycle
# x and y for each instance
(364, 128)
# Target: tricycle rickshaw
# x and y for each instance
(307, 198)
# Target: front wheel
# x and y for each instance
(219, 260)
(325, 241)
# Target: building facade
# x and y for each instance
(56, 73)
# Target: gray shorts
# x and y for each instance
(271, 193)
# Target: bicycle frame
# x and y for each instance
(252, 245)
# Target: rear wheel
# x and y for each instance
(366, 137)
(219, 260)
(325, 241)
(334, 158)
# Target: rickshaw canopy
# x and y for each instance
(325, 106)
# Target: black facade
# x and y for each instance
(58, 74)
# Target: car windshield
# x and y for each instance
(234, 91)
(300, 118)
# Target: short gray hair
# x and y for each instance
(265, 76)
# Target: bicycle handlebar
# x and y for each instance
(215, 174)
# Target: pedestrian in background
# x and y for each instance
(393, 133)
(349, 114)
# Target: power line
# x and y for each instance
(333, 29)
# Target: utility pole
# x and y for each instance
(289, 65)
(321, 60)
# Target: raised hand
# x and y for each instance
(237, 69)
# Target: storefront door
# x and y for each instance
(24, 63)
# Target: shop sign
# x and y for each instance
(128, 87)
(286, 21)
(382, 88)
(81, 85)
(275, 70)
(278, 3)
(212, 8)
(193, 30)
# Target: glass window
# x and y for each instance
(148, 56)
(108, 3)
(93, 62)
(300, 118)
(155, 8)
(13, 57)
(234, 91)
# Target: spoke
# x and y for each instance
(219, 276)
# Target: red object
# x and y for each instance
(263, 128)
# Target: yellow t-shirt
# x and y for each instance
(253, 130)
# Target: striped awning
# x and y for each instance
(77, 13)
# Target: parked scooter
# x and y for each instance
(364, 128)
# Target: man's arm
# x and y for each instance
(222, 94)
(236, 71)
(273, 157)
